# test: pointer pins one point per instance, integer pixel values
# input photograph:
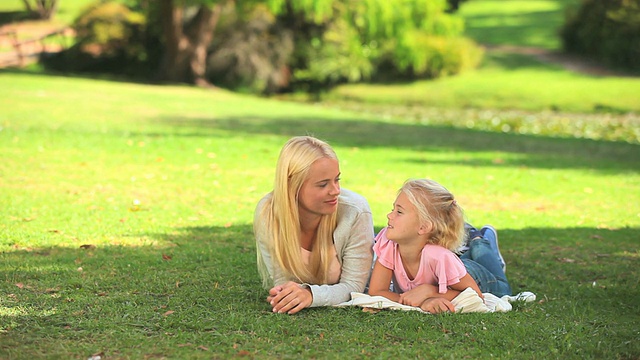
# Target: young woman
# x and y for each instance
(415, 251)
(314, 240)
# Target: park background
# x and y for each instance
(125, 226)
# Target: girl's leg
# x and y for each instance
(487, 281)
(484, 263)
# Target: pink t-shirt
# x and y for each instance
(438, 265)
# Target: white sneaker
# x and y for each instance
(525, 296)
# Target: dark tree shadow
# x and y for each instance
(533, 151)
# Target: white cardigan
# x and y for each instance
(353, 240)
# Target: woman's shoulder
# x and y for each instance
(352, 200)
(262, 204)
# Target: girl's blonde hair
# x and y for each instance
(436, 206)
(282, 217)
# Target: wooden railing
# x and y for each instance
(24, 48)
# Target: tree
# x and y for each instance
(41, 9)
(188, 26)
(186, 41)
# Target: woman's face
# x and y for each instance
(319, 193)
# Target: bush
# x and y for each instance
(338, 56)
(605, 30)
(109, 38)
(426, 56)
(251, 54)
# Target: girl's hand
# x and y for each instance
(417, 295)
(289, 298)
(437, 305)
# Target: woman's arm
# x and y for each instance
(354, 245)
(380, 282)
(270, 273)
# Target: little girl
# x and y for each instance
(415, 251)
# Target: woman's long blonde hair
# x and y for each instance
(436, 206)
(282, 217)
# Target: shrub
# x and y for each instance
(109, 38)
(251, 53)
(605, 30)
(338, 56)
(427, 56)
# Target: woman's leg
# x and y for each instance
(484, 263)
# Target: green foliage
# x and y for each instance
(110, 38)
(435, 56)
(338, 56)
(250, 52)
(605, 30)
(372, 39)
(108, 28)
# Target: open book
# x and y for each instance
(466, 301)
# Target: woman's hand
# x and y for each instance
(437, 305)
(417, 295)
(289, 298)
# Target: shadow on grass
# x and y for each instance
(201, 287)
(224, 258)
(531, 151)
(8, 17)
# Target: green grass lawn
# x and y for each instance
(508, 80)
(125, 228)
(516, 22)
(125, 225)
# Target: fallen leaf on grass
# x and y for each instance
(168, 313)
(371, 310)
(20, 285)
(166, 257)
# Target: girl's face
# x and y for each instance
(319, 193)
(404, 224)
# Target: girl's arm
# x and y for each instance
(465, 282)
(380, 282)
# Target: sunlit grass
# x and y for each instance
(515, 22)
(126, 228)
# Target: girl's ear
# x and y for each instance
(425, 228)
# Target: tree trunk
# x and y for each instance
(42, 9)
(185, 56)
